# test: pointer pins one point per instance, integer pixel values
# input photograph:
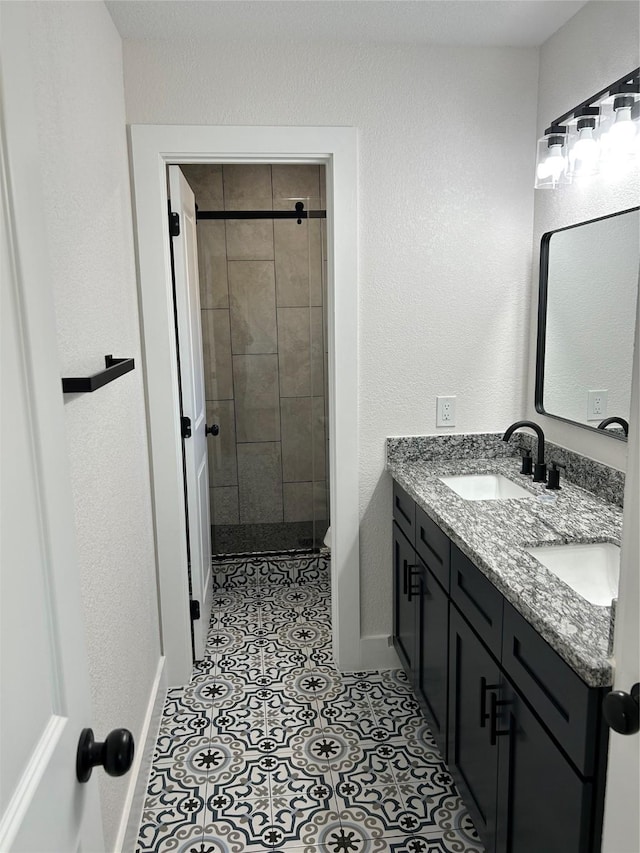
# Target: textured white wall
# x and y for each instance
(78, 72)
(594, 48)
(445, 209)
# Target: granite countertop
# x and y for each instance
(494, 535)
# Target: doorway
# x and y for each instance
(154, 147)
(263, 299)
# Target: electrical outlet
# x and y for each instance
(445, 411)
(596, 405)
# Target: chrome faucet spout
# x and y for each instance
(540, 469)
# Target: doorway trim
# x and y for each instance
(153, 148)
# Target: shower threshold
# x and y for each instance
(227, 539)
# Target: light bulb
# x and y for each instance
(551, 165)
(542, 171)
(583, 156)
(555, 162)
(586, 148)
(623, 129)
(621, 136)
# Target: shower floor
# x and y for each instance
(270, 748)
(265, 538)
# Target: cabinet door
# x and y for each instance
(406, 603)
(434, 658)
(472, 758)
(543, 803)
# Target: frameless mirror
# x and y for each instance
(586, 318)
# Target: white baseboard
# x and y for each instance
(136, 793)
(374, 652)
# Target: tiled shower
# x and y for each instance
(263, 302)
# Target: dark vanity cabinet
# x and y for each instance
(522, 734)
(406, 603)
(421, 608)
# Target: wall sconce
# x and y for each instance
(600, 135)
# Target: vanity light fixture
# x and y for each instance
(551, 170)
(602, 134)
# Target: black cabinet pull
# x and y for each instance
(214, 429)
(494, 733)
(411, 590)
(484, 687)
(622, 710)
(404, 577)
(115, 754)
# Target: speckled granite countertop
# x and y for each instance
(494, 535)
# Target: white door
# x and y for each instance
(44, 699)
(187, 295)
(621, 824)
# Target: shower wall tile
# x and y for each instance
(224, 505)
(294, 352)
(253, 307)
(206, 182)
(276, 367)
(298, 501)
(223, 468)
(247, 187)
(315, 261)
(216, 351)
(320, 500)
(297, 460)
(260, 483)
(317, 353)
(249, 239)
(296, 284)
(212, 264)
(295, 182)
(318, 438)
(255, 380)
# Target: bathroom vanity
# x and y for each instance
(508, 662)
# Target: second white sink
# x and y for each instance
(485, 487)
(591, 569)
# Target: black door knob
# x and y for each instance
(214, 429)
(622, 710)
(115, 754)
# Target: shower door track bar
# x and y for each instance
(260, 214)
(299, 213)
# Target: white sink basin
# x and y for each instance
(485, 487)
(591, 569)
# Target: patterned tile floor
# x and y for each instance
(270, 748)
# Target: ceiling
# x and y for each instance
(514, 23)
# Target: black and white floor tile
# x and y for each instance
(270, 748)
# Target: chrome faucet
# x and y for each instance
(540, 468)
(615, 420)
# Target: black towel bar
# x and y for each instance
(114, 367)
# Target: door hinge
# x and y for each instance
(185, 424)
(195, 609)
(174, 224)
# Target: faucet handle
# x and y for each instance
(527, 461)
(554, 475)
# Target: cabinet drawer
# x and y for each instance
(563, 702)
(433, 546)
(404, 512)
(477, 599)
